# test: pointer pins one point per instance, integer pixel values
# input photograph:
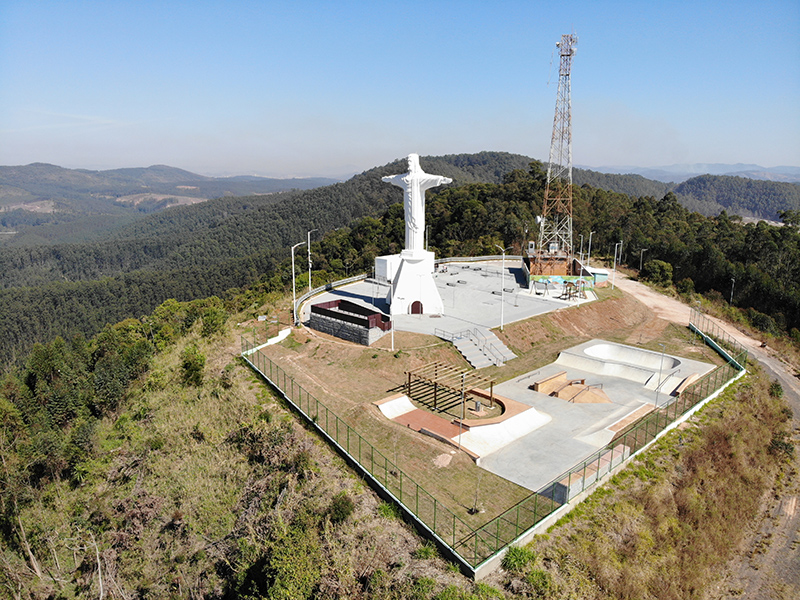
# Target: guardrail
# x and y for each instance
(475, 548)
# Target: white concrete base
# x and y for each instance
(412, 282)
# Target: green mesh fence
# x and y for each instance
(472, 546)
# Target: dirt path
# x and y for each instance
(769, 563)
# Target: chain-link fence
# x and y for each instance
(473, 546)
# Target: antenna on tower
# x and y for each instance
(554, 254)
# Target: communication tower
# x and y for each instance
(554, 253)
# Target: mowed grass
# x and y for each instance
(348, 378)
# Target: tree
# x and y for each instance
(657, 272)
(193, 362)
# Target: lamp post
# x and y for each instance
(733, 281)
(589, 254)
(614, 275)
(660, 368)
(502, 284)
(294, 293)
(641, 254)
(309, 258)
(461, 423)
(581, 253)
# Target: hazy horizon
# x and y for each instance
(325, 90)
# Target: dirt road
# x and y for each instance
(768, 567)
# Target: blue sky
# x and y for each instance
(330, 88)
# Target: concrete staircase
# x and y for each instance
(479, 346)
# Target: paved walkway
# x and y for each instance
(473, 295)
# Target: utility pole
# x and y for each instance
(733, 281)
(294, 293)
(589, 254)
(309, 258)
(641, 254)
(502, 284)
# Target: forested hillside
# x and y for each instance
(711, 194)
(47, 204)
(193, 252)
(632, 185)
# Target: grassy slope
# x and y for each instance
(219, 492)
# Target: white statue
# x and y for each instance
(414, 184)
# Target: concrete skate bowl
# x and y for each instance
(626, 362)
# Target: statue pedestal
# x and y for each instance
(414, 290)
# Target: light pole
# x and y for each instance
(502, 284)
(461, 423)
(660, 368)
(641, 254)
(614, 275)
(589, 254)
(581, 247)
(309, 258)
(294, 293)
(733, 281)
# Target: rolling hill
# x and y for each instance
(48, 204)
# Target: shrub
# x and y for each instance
(657, 272)
(517, 559)
(341, 507)
(192, 364)
(685, 286)
(214, 319)
(776, 390)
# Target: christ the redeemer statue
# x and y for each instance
(414, 184)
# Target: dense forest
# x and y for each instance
(197, 251)
(711, 194)
(47, 204)
(137, 456)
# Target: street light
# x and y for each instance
(589, 254)
(309, 258)
(641, 254)
(581, 248)
(733, 281)
(502, 284)
(294, 294)
(614, 275)
(660, 367)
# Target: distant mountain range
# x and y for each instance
(46, 188)
(43, 204)
(682, 172)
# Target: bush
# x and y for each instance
(341, 508)
(214, 319)
(685, 286)
(517, 559)
(657, 272)
(192, 364)
(776, 390)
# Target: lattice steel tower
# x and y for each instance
(555, 233)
